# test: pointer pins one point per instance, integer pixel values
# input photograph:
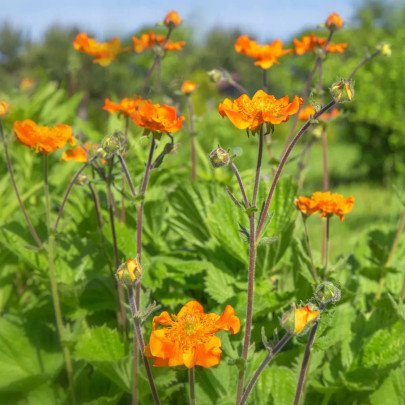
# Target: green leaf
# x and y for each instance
(219, 285)
(392, 390)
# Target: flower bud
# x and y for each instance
(188, 87)
(326, 292)
(298, 321)
(334, 22)
(129, 272)
(4, 109)
(172, 20)
(110, 145)
(219, 157)
(216, 75)
(342, 91)
(82, 180)
(384, 48)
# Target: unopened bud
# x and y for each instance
(171, 148)
(3, 109)
(110, 145)
(158, 51)
(384, 48)
(129, 272)
(216, 75)
(298, 321)
(326, 292)
(342, 91)
(219, 157)
(82, 180)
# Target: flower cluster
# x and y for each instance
(262, 108)
(266, 55)
(43, 139)
(325, 203)
(189, 337)
(312, 42)
(104, 52)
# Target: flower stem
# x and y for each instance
(325, 246)
(191, 378)
(282, 164)
(191, 118)
(305, 361)
(138, 337)
(263, 365)
(127, 175)
(363, 62)
(155, 63)
(314, 272)
(265, 86)
(251, 270)
(241, 186)
(13, 182)
(238, 87)
(389, 260)
(54, 287)
(139, 229)
(71, 184)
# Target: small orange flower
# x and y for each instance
(330, 204)
(266, 55)
(306, 112)
(250, 113)
(188, 87)
(156, 117)
(4, 108)
(172, 20)
(126, 106)
(78, 154)
(303, 316)
(43, 139)
(189, 337)
(306, 205)
(334, 22)
(312, 42)
(104, 52)
(26, 84)
(150, 40)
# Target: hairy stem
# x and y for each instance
(191, 379)
(251, 270)
(138, 337)
(13, 182)
(305, 361)
(314, 272)
(282, 164)
(270, 356)
(241, 186)
(191, 118)
(54, 288)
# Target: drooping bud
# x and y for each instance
(129, 272)
(172, 20)
(111, 145)
(334, 22)
(219, 157)
(384, 48)
(342, 91)
(326, 292)
(216, 75)
(298, 321)
(4, 109)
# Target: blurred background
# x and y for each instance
(367, 141)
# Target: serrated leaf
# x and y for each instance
(392, 390)
(219, 285)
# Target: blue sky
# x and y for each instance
(264, 18)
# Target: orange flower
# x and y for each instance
(306, 205)
(4, 108)
(104, 52)
(312, 42)
(303, 316)
(189, 337)
(306, 112)
(250, 113)
(330, 204)
(188, 87)
(156, 117)
(43, 139)
(172, 20)
(126, 106)
(334, 22)
(150, 40)
(26, 84)
(266, 55)
(78, 154)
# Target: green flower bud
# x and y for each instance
(298, 321)
(342, 91)
(384, 48)
(216, 75)
(219, 158)
(326, 292)
(129, 272)
(110, 145)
